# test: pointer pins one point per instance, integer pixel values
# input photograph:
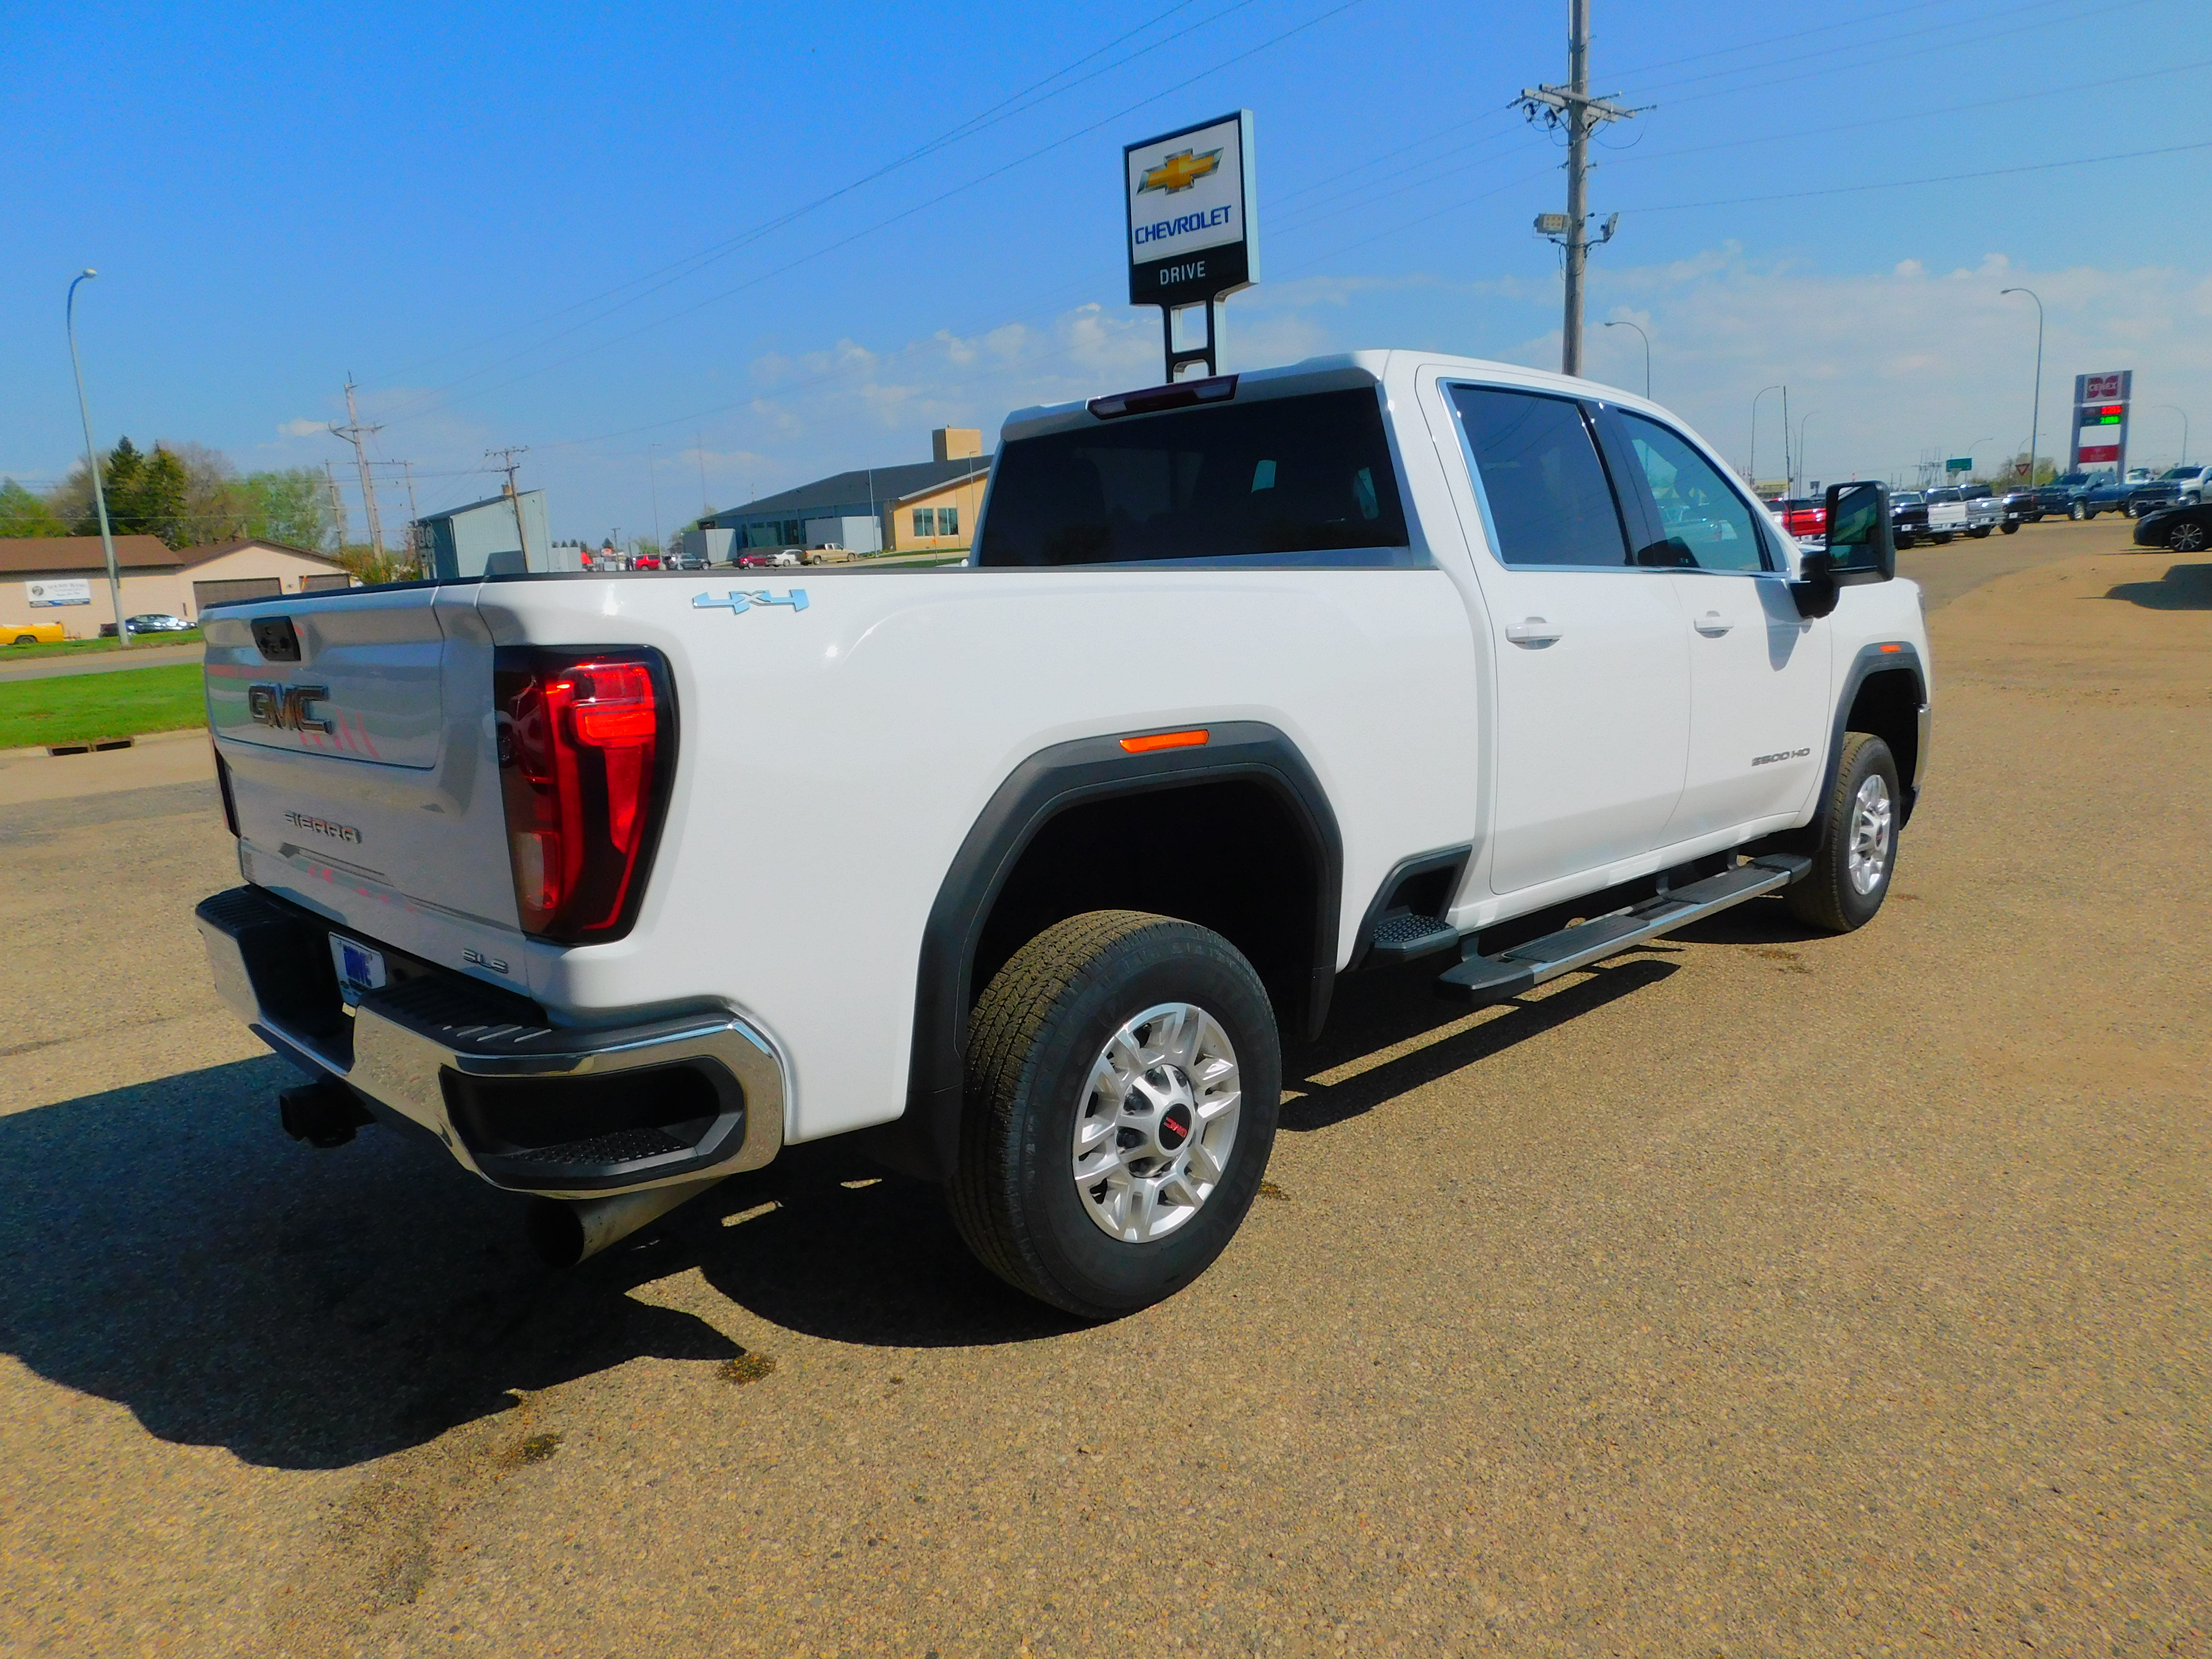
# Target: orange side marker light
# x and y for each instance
(1893, 648)
(1145, 745)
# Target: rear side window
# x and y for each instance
(1284, 475)
(1704, 524)
(1546, 493)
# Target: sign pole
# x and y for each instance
(1193, 238)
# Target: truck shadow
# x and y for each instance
(1379, 1011)
(170, 1250)
(2184, 587)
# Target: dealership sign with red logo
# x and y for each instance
(2100, 421)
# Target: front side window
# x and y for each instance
(1547, 500)
(1704, 525)
(1282, 475)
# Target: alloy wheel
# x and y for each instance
(1159, 1121)
(1867, 860)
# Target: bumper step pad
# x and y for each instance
(1482, 981)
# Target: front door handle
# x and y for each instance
(1712, 625)
(1534, 631)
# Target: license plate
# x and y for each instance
(360, 968)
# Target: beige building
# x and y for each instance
(63, 579)
(940, 516)
(915, 506)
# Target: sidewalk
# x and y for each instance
(29, 774)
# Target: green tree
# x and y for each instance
(291, 505)
(147, 495)
(22, 514)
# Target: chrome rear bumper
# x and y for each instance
(527, 1105)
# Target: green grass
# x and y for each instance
(76, 647)
(88, 707)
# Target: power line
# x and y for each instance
(407, 410)
(1941, 178)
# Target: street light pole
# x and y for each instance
(1646, 338)
(2184, 413)
(1754, 435)
(92, 462)
(1802, 467)
(2035, 418)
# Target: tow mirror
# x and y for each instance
(1860, 548)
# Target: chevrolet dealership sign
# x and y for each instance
(1190, 203)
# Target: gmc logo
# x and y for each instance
(284, 708)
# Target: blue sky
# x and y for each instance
(655, 242)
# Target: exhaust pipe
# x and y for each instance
(564, 1231)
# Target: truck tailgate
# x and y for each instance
(357, 734)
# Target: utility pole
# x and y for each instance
(91, 466)
(699, 452)
(653, 482)
(1572, 106)
(414, 518)
(506, 460)
(353, 431)
(338, 502)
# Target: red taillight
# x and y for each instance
(585, 748)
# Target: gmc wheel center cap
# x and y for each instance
(1174, 1127)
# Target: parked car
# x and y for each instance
(825, 556)
(2081, 495)
(33, 633)
(1801, 515)
(157, 622)
(2183, 529)
(1062, 986)
(2020, 507)
(687, 561)
(1908, 517)
(2188, 482)
(1947, 513)
(1984, 511)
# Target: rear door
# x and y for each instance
(1592, 726)
(1759, 671)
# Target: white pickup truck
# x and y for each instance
(1024, 870)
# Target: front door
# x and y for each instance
(1759, 670)
(1592, 654)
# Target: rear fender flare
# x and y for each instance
(926, 1139)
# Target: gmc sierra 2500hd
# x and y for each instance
(617, 884)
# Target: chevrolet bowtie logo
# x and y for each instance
(1180, 171)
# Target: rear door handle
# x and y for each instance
(1534, 631)
(1712, 625)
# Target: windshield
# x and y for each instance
(1280, 476)
(1908, 498)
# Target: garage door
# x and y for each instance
(243, 587)
(322, 584)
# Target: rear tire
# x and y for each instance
(2077, 513)
(2012, 529)
(1123, 1078)
(1850, 874)
(1981, 534)
(2186, 538)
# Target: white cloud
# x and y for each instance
(299, 428)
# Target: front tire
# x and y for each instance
(1981, 534)
(2012, 529)
(2186, 538)
(1850, 874)
(1123, 1080)
(2077, 513)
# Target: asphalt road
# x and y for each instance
(1758, 1293)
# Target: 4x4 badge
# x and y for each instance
(796, 599)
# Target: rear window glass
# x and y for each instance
(1285, 475)
(1547, 497)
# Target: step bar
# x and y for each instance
(1482, 981)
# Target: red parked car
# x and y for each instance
(1801, 515)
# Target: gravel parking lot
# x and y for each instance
(1756, 1293)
